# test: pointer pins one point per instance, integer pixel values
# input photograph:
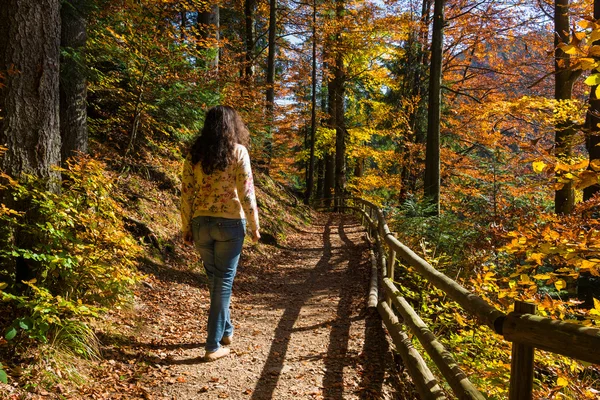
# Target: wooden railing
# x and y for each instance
(525, 330)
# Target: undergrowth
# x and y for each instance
(65, 258)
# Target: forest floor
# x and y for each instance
(303, 329)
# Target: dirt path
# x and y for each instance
(302, 327)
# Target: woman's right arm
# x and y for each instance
(187, 198)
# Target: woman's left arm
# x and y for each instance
(246, 192)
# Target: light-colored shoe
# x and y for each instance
(215, 355)
(227, 340)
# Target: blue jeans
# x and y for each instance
(219, 242)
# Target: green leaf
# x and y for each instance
(26, 324)
(11, 332)
(3, 376)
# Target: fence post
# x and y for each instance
(521, 369)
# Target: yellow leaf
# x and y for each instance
(541, 276)
(511, 284)
(570, 49)
(585, 265)
(525, 279)
(586, 179)
(592, 80)
(595, 35)
(538, 166)
(596, 304)
(595, 164)
(3, 285)
(562, 382)
(585, 24)
(560, 284)
(537, 257)
(597, 91)
(594, 51)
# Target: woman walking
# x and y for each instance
(217, 201)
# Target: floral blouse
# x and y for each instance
(226, 194)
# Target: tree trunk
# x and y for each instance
(329, 178)
(271, 78)
(564, 198)
(320, 178)
(73, 83)
(432, 153)
(593, 119)
(208, 29)
(249, 23)
(340, 128)
(29, 106)
(29, 99)
(313, 112)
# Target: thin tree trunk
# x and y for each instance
(313, 114)
(432, 154)
(340, 128)
(593, 119)
(249, 23)
(329, 178)
(564, 198)
(320, 178)
(137, 113)
(30, 96)
(73, 82)
(271, 78)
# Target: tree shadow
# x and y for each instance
(271, 372)
(336, 358)
(337, 350)
(168, 274)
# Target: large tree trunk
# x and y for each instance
(593, 119)
(29, 105)
(432, 154)
(208, 29)
(29, 99)
(73, 91)
(313, 115)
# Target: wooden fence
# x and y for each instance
(525, 330)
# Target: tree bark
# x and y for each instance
(592, 121)
(73, 82)
(432, 153)
(564, 198)
(29, 99)
(313, 112)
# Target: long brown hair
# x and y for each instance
(213, 149)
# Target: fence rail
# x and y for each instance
(525, 330)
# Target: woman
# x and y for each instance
(217, 200)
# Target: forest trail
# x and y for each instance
(303, 330)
